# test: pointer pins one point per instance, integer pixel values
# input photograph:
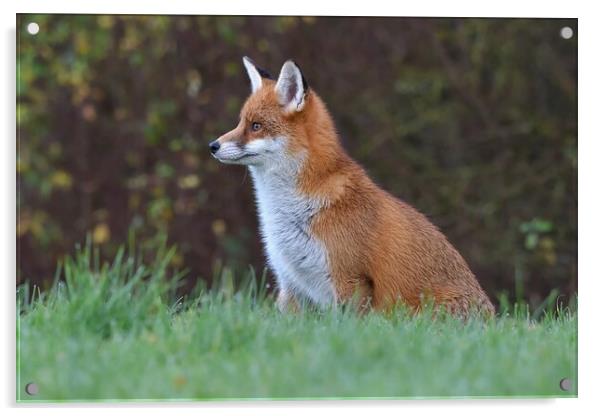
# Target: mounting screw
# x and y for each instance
(566, 32)
(33, 28)
(31, 389)
(565, 384)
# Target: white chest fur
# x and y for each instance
(299, 260)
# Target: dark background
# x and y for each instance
(472, 121)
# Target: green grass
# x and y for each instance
(114, 331)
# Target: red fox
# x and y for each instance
(330, 233)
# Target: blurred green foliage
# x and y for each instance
(473, 121)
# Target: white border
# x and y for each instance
(589, 34)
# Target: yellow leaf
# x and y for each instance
(189, 181)
(105, 21)
(177, 260)
(101, 233)
(61, 179)
(82, 44)
(219, 227)
(38, 224)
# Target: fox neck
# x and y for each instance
(277, 177)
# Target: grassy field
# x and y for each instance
(115, 331)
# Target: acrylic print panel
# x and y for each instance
(349, 232)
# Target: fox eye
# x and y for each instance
(255, 126)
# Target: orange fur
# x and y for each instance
(378, 246)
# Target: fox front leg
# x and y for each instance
(286, 302)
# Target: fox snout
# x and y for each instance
(231, 149)
(214, 146)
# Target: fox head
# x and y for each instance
(273, 120)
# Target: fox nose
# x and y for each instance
(214, 146)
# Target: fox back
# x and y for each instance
(330, 233)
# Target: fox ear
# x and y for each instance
(255, 73)
(291, 87)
